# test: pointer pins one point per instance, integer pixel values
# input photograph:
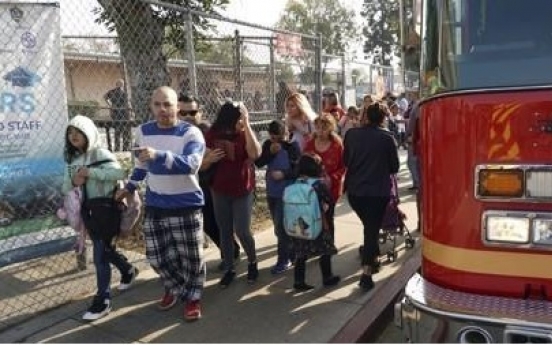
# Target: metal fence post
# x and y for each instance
(343, 80)
(238, 66)
(191, 53)
(371, 80)
(272, 78)
(318, 74)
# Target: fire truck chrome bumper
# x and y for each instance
(429, 313)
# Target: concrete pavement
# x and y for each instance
(266, 312)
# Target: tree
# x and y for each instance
(382, 29)
(330, 19)
(143, 31)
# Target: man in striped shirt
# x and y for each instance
(168, 155)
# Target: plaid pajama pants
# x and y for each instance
(174, 248)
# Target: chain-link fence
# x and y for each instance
(109, 76)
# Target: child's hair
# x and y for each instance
(310, 165)
(276, 127)
(71, 152)
(354, 110)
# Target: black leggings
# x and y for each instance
(370, 210)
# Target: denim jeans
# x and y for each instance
(104, 255)
(276, 208)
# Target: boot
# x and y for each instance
(328, 278)
(299, 284)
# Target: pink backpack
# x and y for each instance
(70, 211)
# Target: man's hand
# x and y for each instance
(145, 154)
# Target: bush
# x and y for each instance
(86, 108)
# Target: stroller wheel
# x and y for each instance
(382, 237)
(391, 256)
(409, 243)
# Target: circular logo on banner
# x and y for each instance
(28, 40)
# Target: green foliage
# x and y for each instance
(382, 29)
(329, 18)
(86, 108)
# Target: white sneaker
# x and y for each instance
(128, 279)
(100, 307)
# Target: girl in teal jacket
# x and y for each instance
(82, 148)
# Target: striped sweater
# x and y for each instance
(171, 178)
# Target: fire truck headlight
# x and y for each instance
(507, 229)
(500, 183)
(542, 231)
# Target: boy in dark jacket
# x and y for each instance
(280, 156)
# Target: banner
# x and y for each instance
(33, 118)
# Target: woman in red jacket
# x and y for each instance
(328, 145)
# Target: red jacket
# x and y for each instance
(332, 160)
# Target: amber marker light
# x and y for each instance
(507, 183)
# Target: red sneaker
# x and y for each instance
(167, 302)
(192, 311)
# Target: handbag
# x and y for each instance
(102, 215)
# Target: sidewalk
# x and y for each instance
(266, 312)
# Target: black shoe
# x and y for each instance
(236, 254)
(252, 273)
(376, 267)
(227, 279)
(302, 287)
(413, 188)
(366, 283)
(101, 306)
(128, 279)
(332, 281)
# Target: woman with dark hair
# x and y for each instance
(232, 185)
(370, 155)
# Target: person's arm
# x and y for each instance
(107, 98)
(293, 155)
(252, 145)
(186, 162)
(266, 156)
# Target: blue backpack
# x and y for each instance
(302, 215)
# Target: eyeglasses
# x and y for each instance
(188, 112)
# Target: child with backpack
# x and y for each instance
(308, 206)
(280, 156)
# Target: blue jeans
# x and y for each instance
(104, 255)
(276, 208)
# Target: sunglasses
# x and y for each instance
(188, 112)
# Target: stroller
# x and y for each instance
(393, 225)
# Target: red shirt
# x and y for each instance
(332, 160)
(234, 174)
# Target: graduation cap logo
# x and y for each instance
(16, 14)
(22, 77)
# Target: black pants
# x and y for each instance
(370, 210)
(210, 226)
(325, 263)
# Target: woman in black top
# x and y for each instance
(370, 155)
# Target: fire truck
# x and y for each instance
(483, 138)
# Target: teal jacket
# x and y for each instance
(103, 178)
